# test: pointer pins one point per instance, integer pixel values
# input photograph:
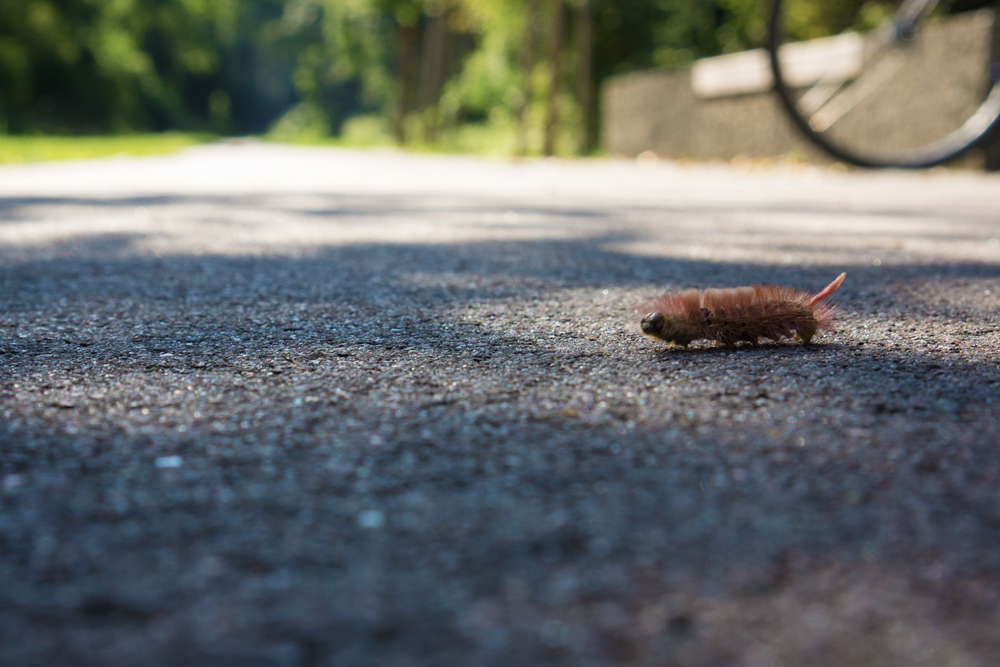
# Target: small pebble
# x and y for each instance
(371, 519)
(168, 462)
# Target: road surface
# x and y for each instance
(294, 407)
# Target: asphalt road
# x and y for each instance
(274, 406)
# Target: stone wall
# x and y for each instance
(658, 111)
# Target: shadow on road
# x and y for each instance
(464, 453)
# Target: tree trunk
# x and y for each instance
(555, 59)
(430, 72)
(407, 54)
(584, 74)
(527, 67)
(444, 65)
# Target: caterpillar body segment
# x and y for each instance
(739, 314)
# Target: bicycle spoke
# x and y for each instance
(879, 40)
(814, 98)
(910, 10)
(854, 94)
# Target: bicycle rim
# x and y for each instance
(888, 84)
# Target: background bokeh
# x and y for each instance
(415, 71)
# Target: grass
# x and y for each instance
(18, 149)
(497, 137)
(358, 132)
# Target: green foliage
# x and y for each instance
(342, 54)
(301, 69)
(364, 131)
(33, 149)
(812, 19)
(627, 35)
(303, 122)
(97, 65)
(368, 131)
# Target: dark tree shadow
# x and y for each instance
(393, 436)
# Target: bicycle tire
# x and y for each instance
(878, 122)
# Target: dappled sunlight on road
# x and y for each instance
(348, 415)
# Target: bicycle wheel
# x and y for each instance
(885, 83)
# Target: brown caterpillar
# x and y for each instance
(736, 314)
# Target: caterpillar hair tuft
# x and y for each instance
(739, 314)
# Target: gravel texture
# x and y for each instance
(276, 406)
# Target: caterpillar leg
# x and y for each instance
(806, 332)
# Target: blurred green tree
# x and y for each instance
(426, 66)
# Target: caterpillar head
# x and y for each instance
(669, 328)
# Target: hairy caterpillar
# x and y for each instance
(736, 314)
